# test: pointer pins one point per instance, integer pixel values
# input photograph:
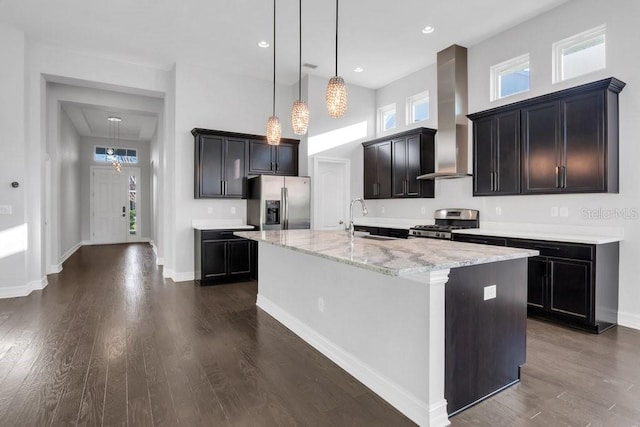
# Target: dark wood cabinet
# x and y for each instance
(220, 168)
(569, 283)
(377, 170)
(268, 159)
(392, 165)
(221, 257)
(496, 163)
(568, 143)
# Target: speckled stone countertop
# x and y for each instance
(393, 257)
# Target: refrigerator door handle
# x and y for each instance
(285, 208)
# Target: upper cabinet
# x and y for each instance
(224, 159)
(220, 166)
(281, 159)
(392, 165)
(563, 142)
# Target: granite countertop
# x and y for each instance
(393, 257)
(541, 235)
(220, 224)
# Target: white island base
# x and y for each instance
(386, 331)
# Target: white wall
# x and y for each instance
(13, 229)
(144, 164)
(536, 37)
(70, 198)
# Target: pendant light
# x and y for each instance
(300, 111)
(114, 135)
(336, 97)
(274, 129)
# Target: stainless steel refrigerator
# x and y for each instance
(279, 202)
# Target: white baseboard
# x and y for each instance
(159, 260)
(414, 408)
(54, 269)
(167, 273)
(183, 277)
(23, 291)
(629, 320)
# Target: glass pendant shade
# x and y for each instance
(336, 97)
(274, 130)
(300, 117)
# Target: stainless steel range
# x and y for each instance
(446, 221)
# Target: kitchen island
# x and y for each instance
(376, 307)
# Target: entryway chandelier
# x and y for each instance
(114, 136)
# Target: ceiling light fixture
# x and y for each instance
(274, 129)
(263, 44)
(114, 135)
(300, 111)
(358, 69)
(336, 97)
(428, 29)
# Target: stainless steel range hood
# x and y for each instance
(452, 138)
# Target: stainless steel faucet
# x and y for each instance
(351, 229)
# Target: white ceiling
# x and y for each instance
(91, 120)
(384, 37)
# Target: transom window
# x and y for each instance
(387, 117)
(510, 77)
(418, 108)
(111, 154)
(580, 54)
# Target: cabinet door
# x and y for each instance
(235, 167)
(286, 162)
(584, 147)
(371, 172)
(541, 148)
(483, 155)
(413, 165)
(209, 166)
(214, 259)
(261, 158)
(384, 170)
(570, 288)
(537, 282)
(506, 153)
(399, 171)
(239, 256)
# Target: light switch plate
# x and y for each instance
(6, 209)
(554, 211)
(489, 292)
(564, 211)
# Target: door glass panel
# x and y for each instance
(133, 214)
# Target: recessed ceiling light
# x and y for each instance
(114, 119)
(428, 29)
(263, 44)
(358, 69)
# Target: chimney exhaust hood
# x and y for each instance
(452, 139)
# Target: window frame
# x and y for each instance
(558, 47)
(124, 158)
(412, 101)
(501, 68)
(382, 111)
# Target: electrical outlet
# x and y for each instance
(564, 211)
(321, 304)
(210, 211)
(6, 209)
(554, 211)
(498, 211)
(382, 209)
(489, 292)
(233, 209)
(423, 211)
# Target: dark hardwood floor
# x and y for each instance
(109, 342)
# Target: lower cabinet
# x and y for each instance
(221, 257)
(569, 283)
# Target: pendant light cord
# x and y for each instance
(274, 58)
(336, 37)
(300, 52)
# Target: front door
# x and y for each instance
(331, 194)
(114, 205)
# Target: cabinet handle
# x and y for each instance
(404, 186)
(557, 176)
(564, 177)
(492, 182)
(271, 166)
(277, 166)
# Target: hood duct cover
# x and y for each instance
(452, 139)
